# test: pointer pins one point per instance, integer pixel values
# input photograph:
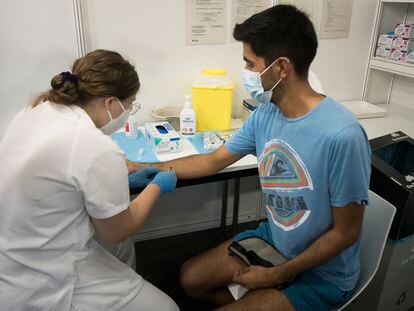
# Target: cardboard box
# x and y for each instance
(404, 31)
(398, 55)
(385, 40)
(392, 178)
(162, 137)
(403, 44)
(383, 52)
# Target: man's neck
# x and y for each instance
(298, 98)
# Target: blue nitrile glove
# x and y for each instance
(142, 177)
(166, 180)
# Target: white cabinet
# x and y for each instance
(389, 81)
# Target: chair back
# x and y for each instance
(378, 217)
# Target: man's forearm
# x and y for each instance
(193, 166)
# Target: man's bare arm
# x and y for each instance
(347, 223)
(195, 166)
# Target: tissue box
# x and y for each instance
(383, 52)
(403, 44)
(162, 137)
(385, 40)
(398, 55)
(404, 31)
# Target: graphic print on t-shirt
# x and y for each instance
(280, 168)
(282, 174)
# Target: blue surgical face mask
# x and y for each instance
(253, 84)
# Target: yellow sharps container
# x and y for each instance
(212, 92)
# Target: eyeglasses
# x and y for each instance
(133, 109)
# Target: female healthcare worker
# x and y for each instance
(62, 178)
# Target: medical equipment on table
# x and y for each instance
(162, 137)
(140, 154)
(131, 128)
(169, 114)
(211, 141)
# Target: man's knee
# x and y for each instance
(190, 279)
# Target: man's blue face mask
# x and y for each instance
(253, 84)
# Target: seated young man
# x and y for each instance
(314, 165)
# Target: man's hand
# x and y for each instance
(253, 277)
(131, 166)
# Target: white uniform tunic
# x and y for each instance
(56, 170)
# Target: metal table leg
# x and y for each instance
(224, 208)
(236, 204)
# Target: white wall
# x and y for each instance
(152, 35)
(341, 63)
(37, 41)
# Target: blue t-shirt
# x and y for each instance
(307, 166)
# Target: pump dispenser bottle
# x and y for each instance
(188, 119)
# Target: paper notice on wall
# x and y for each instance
(307, 6)
(336, 19)
(206, 22)
(243, 9)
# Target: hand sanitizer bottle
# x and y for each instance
(188, 119)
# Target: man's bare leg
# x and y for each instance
(206, 276)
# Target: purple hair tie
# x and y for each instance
(68, 76)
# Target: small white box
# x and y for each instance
(162, 137)
(404, 31)
(403, 44)
(383, 52)
(398, 55)
(385, 40)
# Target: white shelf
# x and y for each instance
(392, 66)
(398, 118)
(399, 1)
(364, 110)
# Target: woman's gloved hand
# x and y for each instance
(142, 177)
(166, 181)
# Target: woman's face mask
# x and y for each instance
(115, 124)
(253, 84)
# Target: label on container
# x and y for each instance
(398, 55)
(404, 30)
(383, 52)
(402, 43)
(131, 129)
(385, 40)
(187, 126)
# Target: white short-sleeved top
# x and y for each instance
(58, 170)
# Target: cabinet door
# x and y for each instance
(38, 40)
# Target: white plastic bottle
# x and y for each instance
(131, 128)
(188, 119)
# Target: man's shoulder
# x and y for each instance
(336, 118)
